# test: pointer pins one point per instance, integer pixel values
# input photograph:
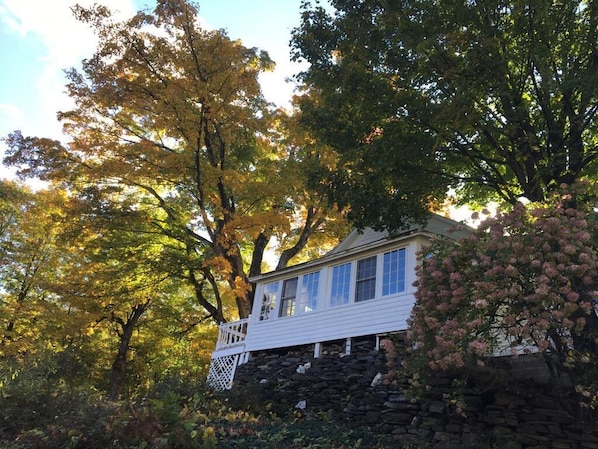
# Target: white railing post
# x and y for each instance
(232, 334)
(230, 351)
(317, 350)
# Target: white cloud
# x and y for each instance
(65, 42)
(64, 37)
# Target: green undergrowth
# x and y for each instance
(311, 433)
(86, 420)
(44, 412)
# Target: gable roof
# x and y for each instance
(436, 225)
(360, 240)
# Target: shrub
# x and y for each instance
(524, 281)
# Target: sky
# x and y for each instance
(40, 38)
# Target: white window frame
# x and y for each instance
(288, 303)
(304, 303)
(268, 305)
(375, 277)
(350, 288)
(405, 253)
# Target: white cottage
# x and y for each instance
(362, 287)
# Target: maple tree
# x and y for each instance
(83, 282)
(117, 281)
(31, 317)
(170, 117)
(43, 270)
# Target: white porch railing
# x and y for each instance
(232, 334)
(229, 352)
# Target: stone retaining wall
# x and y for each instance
(491, 412)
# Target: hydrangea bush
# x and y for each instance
(524, 281)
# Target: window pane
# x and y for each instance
(366, 279)
(289, 289)
(269, 300)
(393, 277)
(366, 268)
(341, 282)
(309, 292)
(287, 301)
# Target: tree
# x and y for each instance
(525, 280)
(118, 282)
(494, 100)
(171, 118)
(84, 289)
(31, 317)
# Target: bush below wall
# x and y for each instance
(511, 406)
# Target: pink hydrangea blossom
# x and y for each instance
(528, 274)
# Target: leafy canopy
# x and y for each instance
(491, 100)
(170, 122)
(30, 259)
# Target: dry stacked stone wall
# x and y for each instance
(512, 407)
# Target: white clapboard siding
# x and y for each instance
(376, 316)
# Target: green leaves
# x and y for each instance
(492, 100)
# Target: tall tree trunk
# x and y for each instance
(119, 366)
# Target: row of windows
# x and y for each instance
(301, 294)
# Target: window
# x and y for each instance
(393, 277)
(341, 283)
(287, 300)
(309, 292)
(365, 284)
(269, 300)
(380, 275)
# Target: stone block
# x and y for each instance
(442, 436)
(560, 444)
(372, 417)
(396, 418)
(398, 398)
(401, 406)
(590, 439)
(532, 437)
(494, 420)
(544, 402)
(508, 400)
(453, 428)
(540, 428)
(437, 407)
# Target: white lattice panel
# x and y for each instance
(222, 372)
